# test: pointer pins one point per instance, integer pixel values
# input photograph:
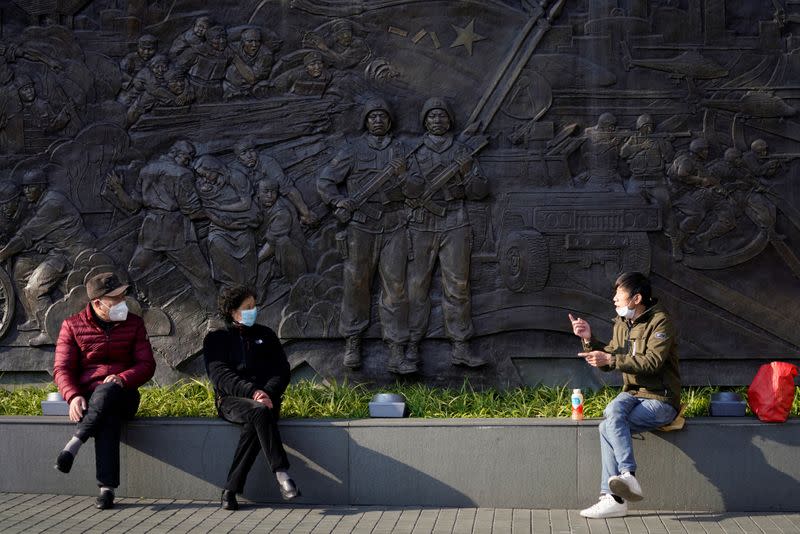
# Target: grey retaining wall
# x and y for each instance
(734, 464)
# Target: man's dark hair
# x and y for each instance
(230, 298)
(635, 282)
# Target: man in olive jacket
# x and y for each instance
(644, 347)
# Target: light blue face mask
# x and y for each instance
(249, 317)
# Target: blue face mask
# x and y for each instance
(249, 317)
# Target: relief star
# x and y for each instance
(466, 36)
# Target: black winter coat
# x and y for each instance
(242, 359)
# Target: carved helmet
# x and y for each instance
(644, 120)
(207, 161)
(341, 25)
(148, 39)
(8, 191)
(732, 154)
(243, 145)
(758, 145)
(34, 177)
(158, 59)
(697, 145)
(606, 120)
(23, 80)
(251, 33)
(267, 184)
(216, 32)
(374, 104)
(435, 102)
(183, 146)
(311, 57)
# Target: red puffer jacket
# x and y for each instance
(86, 354)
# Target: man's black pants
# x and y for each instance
(259, 432)
(108, 406)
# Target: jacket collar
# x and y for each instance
(438, 143)
(645, 316)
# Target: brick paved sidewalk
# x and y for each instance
(63, 514)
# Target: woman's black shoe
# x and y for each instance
(289, 490)
(105, 500)
(229, 500)
(64, 461)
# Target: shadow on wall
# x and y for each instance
(737, 461)
(181, 459)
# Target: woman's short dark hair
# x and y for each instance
(635, 282)
(230, 298)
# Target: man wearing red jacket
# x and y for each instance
(103, 355)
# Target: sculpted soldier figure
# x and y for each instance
(757, 160)
(41, 119)
(132, 63)
(149, 80)
(248, 73)
(279, 236)
(372, 170)
(440, 230)
(10, 209)
(647, 157)
(696, 186)
(601, 154)
(227, 200)
(346, 51)
(313, 80)
(152, 88)
(182, 92)
(46, 246)
(165, 191)
(206, 65)
(194, 37)
(260, 166)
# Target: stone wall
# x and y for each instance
(191, 147)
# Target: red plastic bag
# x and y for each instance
(771, 394)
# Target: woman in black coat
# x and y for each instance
(250, 372)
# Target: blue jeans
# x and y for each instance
(627, 415)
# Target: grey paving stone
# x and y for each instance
(521, 521)
(426, 521)
(747, 525)
(32, 513)
(559, 522)
(577, 524)
(765, 523)
(465, 519)
(540, 521)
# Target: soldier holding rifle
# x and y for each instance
(366, 185)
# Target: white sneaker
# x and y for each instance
(626, 486)
(606, 507)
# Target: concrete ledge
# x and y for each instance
(715, 464)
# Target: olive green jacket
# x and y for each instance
(646, 351)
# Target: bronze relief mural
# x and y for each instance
(418, 189)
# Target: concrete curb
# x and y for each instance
(715, 464)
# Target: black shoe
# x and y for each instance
(289, 490)
(64, 461)
(105, 500)
(229, 500)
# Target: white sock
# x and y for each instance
(106, 488)
(282, 475)
(73, 446)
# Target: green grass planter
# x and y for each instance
(195, 398)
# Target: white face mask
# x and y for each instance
(117, 312)
(626, 312)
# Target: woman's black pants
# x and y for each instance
(259, 433)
